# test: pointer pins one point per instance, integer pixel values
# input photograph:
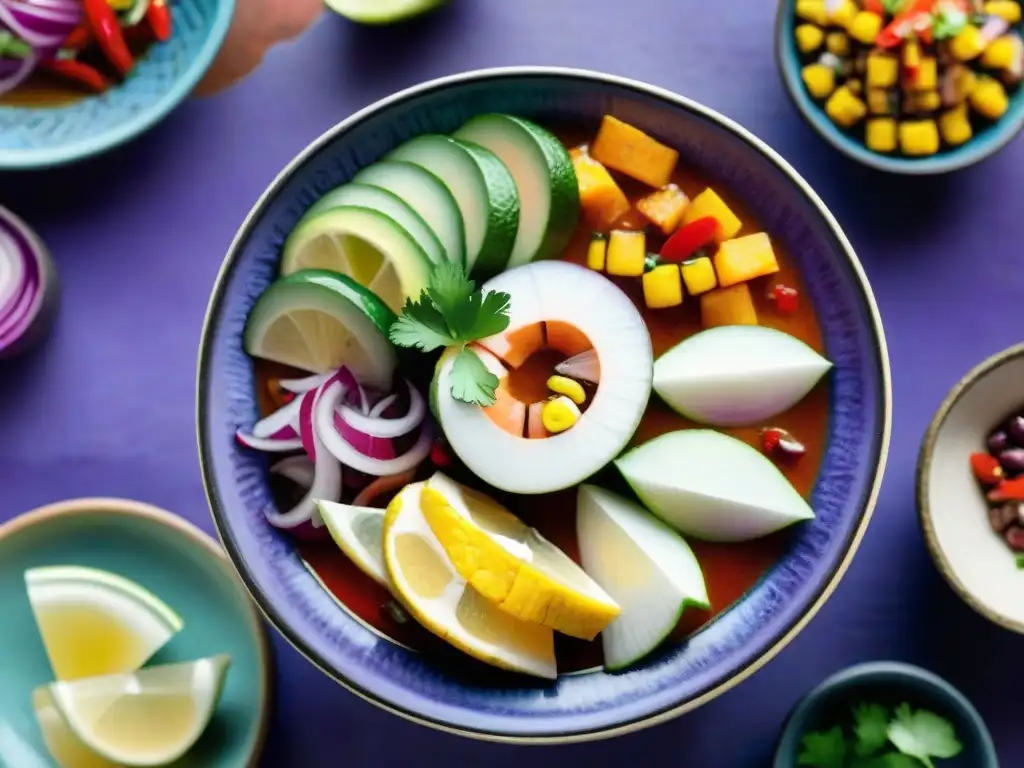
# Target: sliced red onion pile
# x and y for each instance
(343, 431)
(37, 27)
(29, 291)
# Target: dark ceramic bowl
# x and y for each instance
(889, 683)
(460, 696)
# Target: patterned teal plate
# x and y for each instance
(177, 562)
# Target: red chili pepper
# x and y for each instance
(874, 6)
(80, 37)
(916, 17)
(690, 239)
(438, 455)
(786, 299)
(139, 34)
(158, 16)
(986, 468)
(77, 72)
(108, 33)
(1008, 490)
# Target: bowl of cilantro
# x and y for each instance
(885, 714)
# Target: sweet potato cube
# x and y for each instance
(664, 208)
(629, 150)
(601, 198)
(708, 203)
(728, 306)
(744, 259)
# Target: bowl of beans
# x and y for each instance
(970, 488)
(906, 86)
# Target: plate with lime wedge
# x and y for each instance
(123, 620)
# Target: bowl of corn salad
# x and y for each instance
(906, 86)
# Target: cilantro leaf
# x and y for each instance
(823, 749)
(491, 316)
(422, 326)
(448, 289)
(870, 724)
(948, 22)
(923, 734)
(471, 381)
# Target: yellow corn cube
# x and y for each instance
(808, 38)
(865, 27)
(1002, 53)
(708, 203)
(728, 306)
(955, 126)
(968, 44)
(596, 252)
(664, 208)
(838, 44)
(911, 54)
(812, 11)
(626, 252)
(745, 258)
(819, 79)
(919, 137)
(844, 108)
(923, 101)
(663, 287)
(989, 98)
(880, 134)
(879, 102)
(927, 76)
(1006, 9)
(699, 275)
(883, 70)
(843, 14)
(628, 150)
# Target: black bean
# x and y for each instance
(1002, 517)
(997, 442)
(1015, 538)
(1012, 461)
(1015, 430)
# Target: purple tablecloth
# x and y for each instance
(106, 407)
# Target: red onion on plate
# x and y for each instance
(29, 289)
(43, 27)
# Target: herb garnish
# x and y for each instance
(451, 312)
(918, 737)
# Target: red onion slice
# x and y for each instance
(382, 406)
(282, 424)
(14, 75)
(375, 426)
(39, 27)
(995, 27)
(302, 386)
(268, 445)
(299, 469)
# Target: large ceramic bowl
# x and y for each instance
(582, 705)
(42, 136)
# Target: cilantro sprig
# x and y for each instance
(882, 738)
(451, 312)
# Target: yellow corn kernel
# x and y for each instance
(955, 126)
(865, 27)
(1002, 53)
(819, 79)
(812, 11)
(708, 203)
(919, 137)
(880, 134)
(558, 414)
(844, 13)
(927, 76)
(808, 38)
(699, 275)
(844, 108)
(626, 253)
(563, 385)
(838, 44)
(968, 44)
(966, 81)
(923, 101)
(911, 54)
(855, 86)
(1006, 9)
(596, 252)
(989, 98)
(883, 70)
(663, 287)
(879, 102)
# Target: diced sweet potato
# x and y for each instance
(629, 150)
(708, 203)
(664, 208)
(728, 306)
(601, 198)
(744, 259)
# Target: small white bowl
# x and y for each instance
(951, 506)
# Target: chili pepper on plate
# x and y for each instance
(77, 72)
(158, 16)
(107, 30)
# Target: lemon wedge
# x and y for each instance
(96, 623)
(145, 718)
(423, 579)
(358, 531)
(64, 747)
(511, 564)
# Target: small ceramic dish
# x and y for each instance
(888, 683)
(41, 136)
(181, 565)
(985, 142)
(953, 512)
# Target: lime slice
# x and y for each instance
(357, 531)
(317, 321)
(426, 583)
(149, 717)
(381, 11)
(97, 623)
(64, 746)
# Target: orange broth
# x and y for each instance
(729, 569)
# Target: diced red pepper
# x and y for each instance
(438, 455)
(107, 30)
(158, 16)
(1007, 490)
(916, 17)
(874, 6)
(80, 37)
(76, 72)
(689, 239)
(986, 468)
(787, 299)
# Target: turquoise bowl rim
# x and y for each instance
(73, 151)
(882, 671)
(84, 507)
(974, 151)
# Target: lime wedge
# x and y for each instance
(97, 623)
(357, 531)
(149, 717)
(381, 11)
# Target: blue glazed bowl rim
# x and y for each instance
(230, 263)
(882, 670)
(974, 151)
(73, 151)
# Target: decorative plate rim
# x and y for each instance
(675, 100)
